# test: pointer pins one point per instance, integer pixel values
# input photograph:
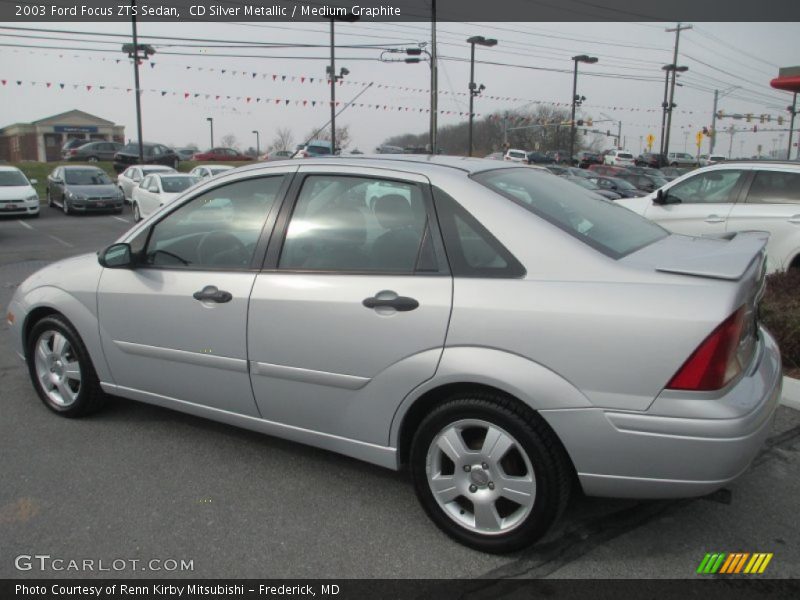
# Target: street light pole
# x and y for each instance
(664, 105)
(136, 83)
(258, 143)
(474, 89)
(576, 99)
(211, 123)
(793, 109)
(332, 76)
(434, 81)
(677, 31)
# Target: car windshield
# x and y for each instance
(319, 150)
(611, 229)
(624, 155)
(133, 149)
(175, 184)
(12, 179)
(583, 182)
(86, 177)
(148, 170)
(623, 184)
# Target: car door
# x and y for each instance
(350, 312)
(174, 327)
(699, 204)
(144, 196)
(133, 175)
(54, 188)
(771, 202)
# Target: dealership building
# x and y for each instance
(42, 140)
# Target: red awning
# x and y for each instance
(789, 83)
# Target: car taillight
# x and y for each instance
(306, 155)
(73, 152)
(715, 362)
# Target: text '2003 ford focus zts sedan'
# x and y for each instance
(502, 332)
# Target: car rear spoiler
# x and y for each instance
(729, 261)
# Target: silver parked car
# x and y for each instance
(502, 332)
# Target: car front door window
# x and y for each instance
(713, 187)
(218, 229)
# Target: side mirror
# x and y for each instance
(56, 180)
(659, 199)
(34, 181)
(116, 256)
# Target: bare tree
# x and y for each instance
(229, 141)
(343, 138)
(283, 140)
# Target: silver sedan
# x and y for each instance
(501, 332)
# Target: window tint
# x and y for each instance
(471, 249)
(775, 187)
(86, 177)
(707, 188)
(355, 224)
(607, 227)
(218, 229)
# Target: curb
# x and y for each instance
(791, 393)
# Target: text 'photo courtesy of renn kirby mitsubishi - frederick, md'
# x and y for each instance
(410, 299)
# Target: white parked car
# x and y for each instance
(132, 177)
(519, 156)
(17, 196)
(729, 197)
(619, 158)
(206, 171)
(713, 159)
(159, 189)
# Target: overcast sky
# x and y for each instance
(626, 84)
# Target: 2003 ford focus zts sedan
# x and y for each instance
(503, 333)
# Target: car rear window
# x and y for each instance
(624, 155)
(607, 227)
(319, 150)
(174, 184)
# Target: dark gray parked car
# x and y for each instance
(82, 189)
(93, 152)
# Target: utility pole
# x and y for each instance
(731, 131)
(136, 83)
(475, 89)
(677, 31)
(505, 131)
(713, 124)
(332, 76)
(434, 81)
(619, 136)
(793, 109)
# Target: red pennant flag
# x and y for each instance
(305, 102)
(49, 84)
(88, 88)
(248, 98)
(217, 98)
(4, 81)
(277, 100)
(185, 95)
(302, 79)
(274, 77)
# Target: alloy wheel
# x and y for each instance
(57, 368)
(481, 476)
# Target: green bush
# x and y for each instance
(780, 313)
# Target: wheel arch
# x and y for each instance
(483, 370)
(47, 301)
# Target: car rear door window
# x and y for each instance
(775, 187)
(356, 224)
(711, 187)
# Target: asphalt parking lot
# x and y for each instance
(141, 482)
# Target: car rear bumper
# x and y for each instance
(683, 445)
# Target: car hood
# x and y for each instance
(726, 257)
(15, 192)
(76, 274)
(94, 191)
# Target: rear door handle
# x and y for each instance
(714, 219)
(399, 303)
(211, 293)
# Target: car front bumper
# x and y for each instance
(90, 206)
(683, 445)
(23, 207)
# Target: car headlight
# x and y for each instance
(77, 197)
(32, 198)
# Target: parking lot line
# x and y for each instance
(121, 219)
(24, 224)
(59, 240)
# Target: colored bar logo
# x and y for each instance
(734, 563)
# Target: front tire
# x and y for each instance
(61, 370)
(49, 199)
(65, 206)
(137, 216)
(489, 472)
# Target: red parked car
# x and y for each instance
(218, 154)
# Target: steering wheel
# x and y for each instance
(221, 248)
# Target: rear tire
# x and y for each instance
(501, 475)
(92, 159)
(61, 370)
(49, 199)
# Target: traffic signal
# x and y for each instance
(720, 114)
(580, 122)
(755, 128)
(608, 133)
(762, 118)
(705, 131)
(585, 132)
(749, 117)
(780, 120)
(589, 122)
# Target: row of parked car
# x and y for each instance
(613, 182)
(124, 155)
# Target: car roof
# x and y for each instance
(414, 163)
(81, 167)
(9, 168)
(171, 174)
(773, 165)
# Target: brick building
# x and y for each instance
(42, 139)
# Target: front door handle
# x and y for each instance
(714, 219)
(391, 300)
(211, 293)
